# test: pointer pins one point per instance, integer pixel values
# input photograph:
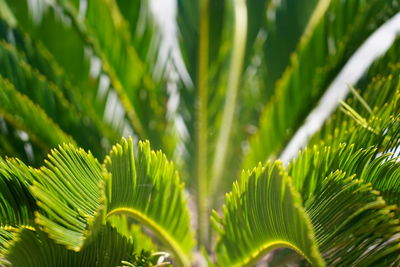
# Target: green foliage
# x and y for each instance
(21, 112)
(148, 190)
(264, 212)
(107, 248)
(89, 73)
(67, 192)
(329, 41)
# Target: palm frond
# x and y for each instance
(17, 203)
(389, 186)
(69, 196)
(23, 114)
(285, 25)
(142, 95)
(356, 143)
(106, 248)
(213, 74)
(341, 210)
(380, 123)
(147, 188)
(50, 98)
(341, 206)
(275, 28)
(264, 212)
(329, 42)
(36, 59)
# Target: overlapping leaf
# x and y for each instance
(69, 196)
(17, 205)
(28, 65)
(147, 188)
(264, 212)
(341, 211)
(130, 77)
(22, 113)
(329, 42)
(106, 248)
(50, 98)
(370, 115)
(341, 206)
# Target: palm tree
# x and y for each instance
(88, 73)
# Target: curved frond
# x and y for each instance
(384, 174)
(329, 42)
(264, 212)
(338, 205)
(17, 205)
(341, 206)
(106, 248)
(314, 164)
(147, 188)
(68, 192)
(353, 225)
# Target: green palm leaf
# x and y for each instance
(28, 65)
(69, 196)
(147, 188)
(23, 114)
(369, 117)
(275, 28)
(341, 210)
(17, 203)
(264, 212)
(49, 97)
(106, 248)
(129, 75)
(341, 206)
(330, 43)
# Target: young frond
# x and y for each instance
(147, 188)
(68, 193)
(264, 212)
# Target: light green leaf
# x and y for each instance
(341, 206)
(147, 188)
(264, 212)
(17, 205)
(106, 248)
(329, 42)
(69, 194)
(353, 225)
(381, 92)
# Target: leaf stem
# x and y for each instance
(202, 116)
(238, 50)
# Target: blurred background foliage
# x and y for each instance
(88, 72)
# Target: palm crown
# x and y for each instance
(88, 73)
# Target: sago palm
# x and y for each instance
(85, 90)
